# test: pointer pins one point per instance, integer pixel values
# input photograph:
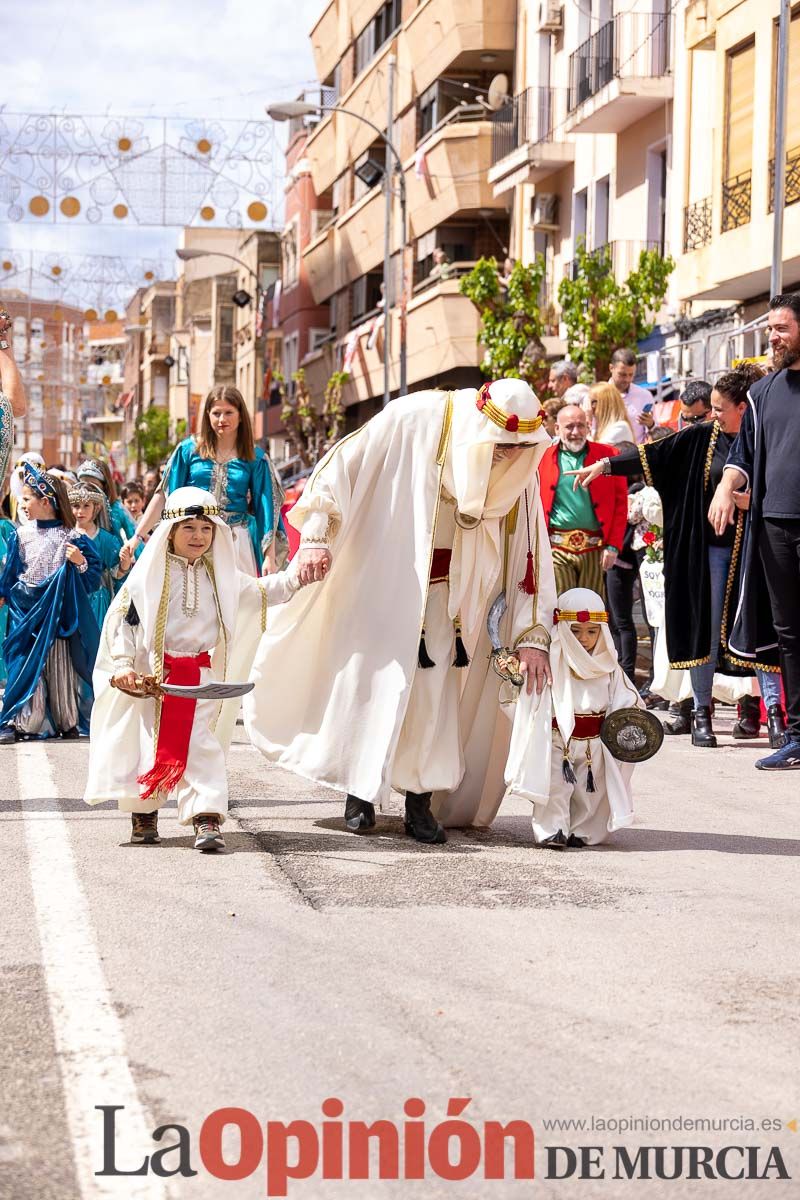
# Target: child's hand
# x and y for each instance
(126, 557)
(74, 556)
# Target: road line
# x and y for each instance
(90, 1043)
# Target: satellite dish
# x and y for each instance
(498, 92)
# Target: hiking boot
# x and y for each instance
(556, 841)
(144, 829)
(207, 835)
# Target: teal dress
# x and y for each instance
(121, 521)
(6, 529)
(108, 547)
(248, 492)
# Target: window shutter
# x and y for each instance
(741, 86)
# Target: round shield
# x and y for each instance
(632, 734)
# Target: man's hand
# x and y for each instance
(313, 564)
(609, 558)
(722, 509)
(73, 554)
(126, 681)
(535, 664)
(647, 419)
(586, 475)
(742, 500)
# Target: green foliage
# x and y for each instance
(311, 430)
(511, 318)
(601, 315)
(153, 439)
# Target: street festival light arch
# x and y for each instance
(301, 108)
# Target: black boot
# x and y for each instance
(749, 713)
(702, 733)
(776, 726)
(420, 821)
(557, 841)
(359, 815)
(8, 735)
(683, 718)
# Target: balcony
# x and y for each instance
(319, 259)
(700, 24)
(442, 336)
(528, 143)
(697, 225)
(326, 43)
(620, 74)
(452, 175)
(321, 152)
(736, 201)
(440, 32)
(620, 258)
(792, 182)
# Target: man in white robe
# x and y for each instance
(415, 522)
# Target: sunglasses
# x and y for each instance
(694, 420)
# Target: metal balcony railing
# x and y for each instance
(792, 179)
(529, 118)
(697, 225)
(736, 201)
(620, 257)
(629, 45)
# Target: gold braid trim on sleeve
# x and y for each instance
(158, 649)
(648, 478)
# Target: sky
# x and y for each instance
(200, 59)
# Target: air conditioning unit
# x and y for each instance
(544, 211)
(551, 16)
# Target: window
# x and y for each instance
(387, 19)
(741, 65)
(317, 338)
(366, 295)
(289, 255)
(225, 344)
(579, 216)
(602, 195)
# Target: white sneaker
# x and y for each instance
(207, 833)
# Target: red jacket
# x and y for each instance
(609, 493)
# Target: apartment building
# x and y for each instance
(583, 148)
(447, 52)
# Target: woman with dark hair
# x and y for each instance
(702, 568)
(51, 570)
(224, 460)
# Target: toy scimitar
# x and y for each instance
(505, 662)
(146, 685)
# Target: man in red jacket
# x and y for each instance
(586, 532)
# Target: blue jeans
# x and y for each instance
(719, 561)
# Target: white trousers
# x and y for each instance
(570, 808)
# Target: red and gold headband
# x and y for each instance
(510, 422)
(582, 616)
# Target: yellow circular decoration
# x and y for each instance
(149, 275)
(39, 206)
(110, 314)
(257, 211)
(83, 379)
(55, 270)
(70, 206)
(120, 211)
(124, 144)
(106, 380)
(7, 266)
(91, 314)
(207, 212)
(40, 378)
(204, 145)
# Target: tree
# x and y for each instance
(311, 431)
(153, 441)
(511, 318)
(601, 314)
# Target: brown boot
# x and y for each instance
(207, 835)
(144, 829)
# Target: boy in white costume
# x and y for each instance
(186, 615)
(579, 791)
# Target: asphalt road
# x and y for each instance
(653, 978)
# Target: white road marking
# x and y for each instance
(89, 1039)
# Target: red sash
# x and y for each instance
(175, 728)
(440, 565)
(587, 725)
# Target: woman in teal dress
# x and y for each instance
(224, 460)
(97, 473)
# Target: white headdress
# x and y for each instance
(146, 580)
(568, 657)
(503, 413)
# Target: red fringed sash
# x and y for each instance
(175, 728)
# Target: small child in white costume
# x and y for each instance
(579, 791)
(185, 615)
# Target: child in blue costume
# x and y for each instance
(50, 572)
(224, 460)
(6, 530)
(96, 473)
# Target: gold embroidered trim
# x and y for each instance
(694, 662)
(158, 649)
(445, 434)
(715, 432)
(648, 478)
(441, 454)
(263, 610)
(737, 545)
